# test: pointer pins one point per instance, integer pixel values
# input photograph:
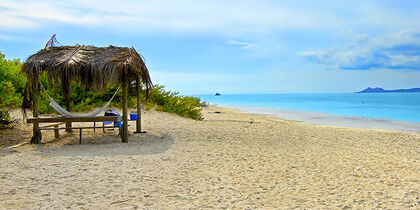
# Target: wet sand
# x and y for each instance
(318, 118)
(229, 160)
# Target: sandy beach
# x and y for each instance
(229, 160)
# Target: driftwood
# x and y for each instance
(116, 202)
(17, 145)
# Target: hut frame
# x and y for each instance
(94, 68)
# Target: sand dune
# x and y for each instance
(229, 160)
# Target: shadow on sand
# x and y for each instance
(144, 144)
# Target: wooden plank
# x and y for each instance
(125, 108)
(53, 125)
(45, 129)
(72, 119)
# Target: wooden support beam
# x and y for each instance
(125, 108)
(138, 121)
(67, 96)
(36, 133)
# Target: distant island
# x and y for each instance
(381, 90)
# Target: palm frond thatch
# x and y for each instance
(93, 66)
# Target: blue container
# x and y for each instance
(133, 116)
(117, 124)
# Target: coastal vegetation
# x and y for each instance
(13, 83)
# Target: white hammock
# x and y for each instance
(64, 112)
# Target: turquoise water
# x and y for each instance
(392, 106)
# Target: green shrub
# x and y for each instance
(168, 101)
(12, 84)
(4, 117)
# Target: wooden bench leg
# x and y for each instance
(56, 132)
(94, 127)
(80, 140)
(120, 132)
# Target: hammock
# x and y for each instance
(64, 112)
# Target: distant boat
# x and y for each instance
(381, 90)
(218, 94)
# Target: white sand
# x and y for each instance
(229, 160)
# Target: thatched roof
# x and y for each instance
(93, 66)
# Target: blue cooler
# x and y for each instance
(133, 116)
(112, 113)
(117, 124)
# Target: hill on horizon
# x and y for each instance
(381, 90)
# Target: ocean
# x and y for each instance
(380, 106)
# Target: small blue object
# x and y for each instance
(117, 124)
(112, 112)
(133, 116)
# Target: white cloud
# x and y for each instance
(188, 15)
(29, 14)
(5, 37)
(233, 17)
(242, 45)
(11, 22)
(394, 51)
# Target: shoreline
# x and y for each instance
(319, 118)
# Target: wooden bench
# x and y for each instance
(63, 120)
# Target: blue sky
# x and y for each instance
(201, 47)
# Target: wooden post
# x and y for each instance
(125, 121)
(80, 138)
(36, 137)
(67, 97)
(138, 122)
(56, 132)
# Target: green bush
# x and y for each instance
(168, 101)
(12, 85)
(4, 117)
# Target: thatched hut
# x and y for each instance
(93, 67)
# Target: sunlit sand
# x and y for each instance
(229, 160)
